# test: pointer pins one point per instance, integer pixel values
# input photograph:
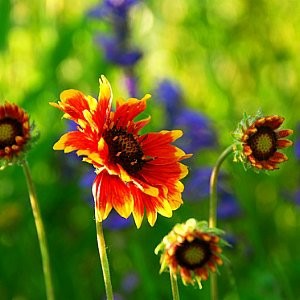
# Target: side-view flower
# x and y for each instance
(16, 138)
(259, 140)
(135, 172)
(15, 133)
(192, 250)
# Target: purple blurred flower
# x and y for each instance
(115, 222)
(130, 282)
(117, 47)
(292, 196)
(197, 189)
(228, 207)
(297, 197)
(170, 94)
(130, 82)
(198, 132)
(116, 53)
(297, 142)
(297, 148)
(109, 8)
(197, 184)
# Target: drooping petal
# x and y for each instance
(138, 209)
(152, 205)
(174, 194)
(110, 189)
(103, 206)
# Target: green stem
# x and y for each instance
(213, 187)
(40, 231)
(104, 261)
(213, 203)
(174, 286)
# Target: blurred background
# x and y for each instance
(205, 64)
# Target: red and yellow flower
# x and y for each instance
(191, 250)
(14, 133)
(259, 141)
(135, 173)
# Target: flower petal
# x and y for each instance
(74, 140)
(109, 190)
(278, 157)
(103, 206)
(284, 133)
(73, 103)
(101, 115)
(283, 143)
(162, 174)
(273, 121)
(140, 124)
(158, 145)
(127, 111)
(138, 209)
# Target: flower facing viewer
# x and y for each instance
(259, 141)
(15, 133)
(134, 172)
(192, 250)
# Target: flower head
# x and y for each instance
(191, 249)
(134, 172)
(259, 140)
(15, 133)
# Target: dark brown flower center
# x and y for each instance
(193, 255)
(124, 150)
(263, 143)
(9, 129)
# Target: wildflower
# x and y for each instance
(192, 250)
(199, 133)
(228, 206)
(15, 133)
(134, 172)
(170, 94)
(117, 47)
(259, 140)
(297, 143)
(112, 8)
(115, 52)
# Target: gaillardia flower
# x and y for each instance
(14, 133)
(134, 172)
(192, 250)
(259, 140)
